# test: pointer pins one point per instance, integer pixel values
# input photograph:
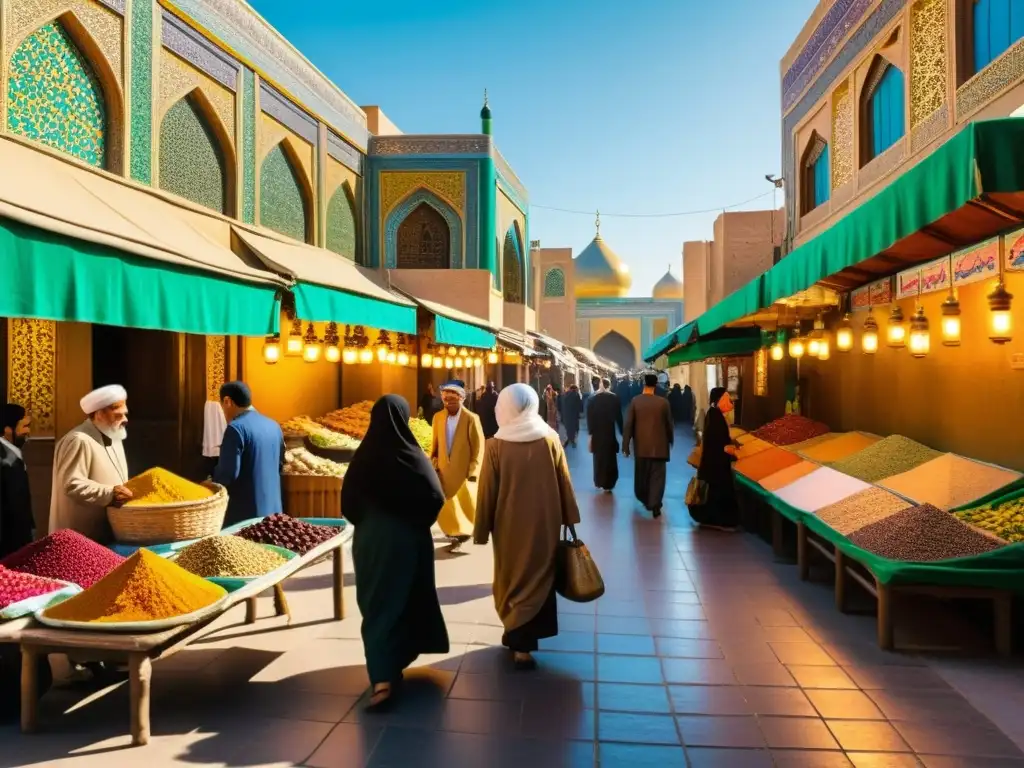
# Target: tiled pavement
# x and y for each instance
(704, 652)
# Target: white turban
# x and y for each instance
(516, 412)
(104, 397)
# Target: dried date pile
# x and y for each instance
(923, 534)
(288, 533)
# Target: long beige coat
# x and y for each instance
(86, 467)
(459, 471)
(526, 496)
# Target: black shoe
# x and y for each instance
(656, 512)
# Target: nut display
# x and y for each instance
(289, 533)
(791, 428)
(299, 461)
(864, 508)
(300, 426)
(923, 534)
(227, 557)
(889, 456)
(1005, 520)
(321, 436)
(353, 420)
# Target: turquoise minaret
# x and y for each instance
(485, 117)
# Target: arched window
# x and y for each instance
(512, 269)
(424, 240)
(55, 98)
(283, 205)
(817, 181)
(554, 284)
(884, 121)
(191, 156)
(341, 224)
(997, 24)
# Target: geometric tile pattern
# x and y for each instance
(842, 135)
(928, 63)
(141, 118)
(341, 224)
(282, 202)
(191, 159)
(554, 283)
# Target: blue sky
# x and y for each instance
(652, 106)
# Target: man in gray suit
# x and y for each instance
(649, 429)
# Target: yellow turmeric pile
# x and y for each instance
(145, 587)
(158, 486)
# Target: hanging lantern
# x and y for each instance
(920, 338)
(478, 362)
(438, 361)
(332, 352)
(426, 360)
(452, 351)
(824, 347)
(350, 355)
(449, 363)
(403, 359)
(366, 356)
(460, 362)
(311, 346)
(844, 334)
(896, 331)
(777, 351)
(814, 340)
(294, 345)
(951, 321)
(492, 357)
(796, 344)
(1001, 323)
(463, 352)
(869, 339)
(272, 349)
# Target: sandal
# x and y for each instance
(524, 662)
(380, 698)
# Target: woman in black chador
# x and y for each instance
(717, 456)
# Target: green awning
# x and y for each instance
(55, 277)
(459, 334)
(664, 343)
(728, 346)
(323, 305)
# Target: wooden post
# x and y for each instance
(140, 674)
(886, 638)
(250, 610)
(803, 565)
(280, 602)
(1002, 609)
(29, 689)
(840, 581)
(778, 546)
(339, 583)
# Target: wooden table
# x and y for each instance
(139, 651)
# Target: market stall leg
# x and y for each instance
(1002, 608)
(801, 552)
(280, 602)
(885, 627)
(250, 610)
(840, 561)
(140, 675)
(339, 584)
(29, 689)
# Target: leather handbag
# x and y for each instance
(696, 492)
(576, 575)
(694, 458)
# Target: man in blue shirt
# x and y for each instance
(251, 457)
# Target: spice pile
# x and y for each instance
(1005, 520)
(65, 555)
(819, 489)
(16, 586)
(228, 557)
(751, 448)
(864, 508)
(423, 432)
(299, 461)
(923, 534)
(839, 447)
(145, 587)
(352, 420)
(766, 463)
(791, 428)
(805, 445)
(321, 436)
(887, 457)
(157, 486)
(288, 533)
(950, 481)
(789, 475)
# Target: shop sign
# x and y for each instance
(976, 263)
(935, 276)
(908, 283)
(1013, 244)
(881, 292)
(860, 299)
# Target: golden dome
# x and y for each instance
(669, 287)
(599, 273)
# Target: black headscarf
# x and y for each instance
(12, 414)
(390, 473)
(714, 461)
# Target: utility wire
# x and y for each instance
(653, 215)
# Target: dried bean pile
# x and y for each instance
(228, 557)
(889, 456)
(864, 508)
(66, 555)
(16, 586)
(288, 533)
(791, 428)
(923, 534)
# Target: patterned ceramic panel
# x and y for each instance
(430, 145)
(344, 152)
(554, 284)
(141, 88)
(282, 202)
(286, 113)
(31, 378)
(928, 62)
(199, 52)
(248, 148)
(341, 224)
(191, 161)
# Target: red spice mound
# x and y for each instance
(66, 555)
(288, 533)
(790, 429)
(16, 586)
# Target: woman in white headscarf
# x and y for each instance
(525, 497)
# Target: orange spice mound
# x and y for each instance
(790, 474)
(145, 587)
(844, 445)
(766, 463)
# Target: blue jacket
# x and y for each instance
(251, 458)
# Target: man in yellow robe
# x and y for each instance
(457, 452)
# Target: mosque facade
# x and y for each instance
(583, 302)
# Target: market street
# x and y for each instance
(703, 650)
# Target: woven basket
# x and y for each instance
(168, 523)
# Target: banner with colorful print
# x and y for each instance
(976, 263)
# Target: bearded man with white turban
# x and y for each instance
(89, 466)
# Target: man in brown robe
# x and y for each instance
(650, 429)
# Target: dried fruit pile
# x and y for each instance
(923, 534)
(299, 461)
(16, 586)
(65, 555)
(791, 428)
(228, 557)
(1004, 520)
(145, 587)
(864, 508)
(289, 533)
(352, 420)
(889, 456)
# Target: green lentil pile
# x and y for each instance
(228, 557)
(923, 534)
(887, 457)
(864, 508)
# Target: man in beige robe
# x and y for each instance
(456, 452)
(89, 466)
